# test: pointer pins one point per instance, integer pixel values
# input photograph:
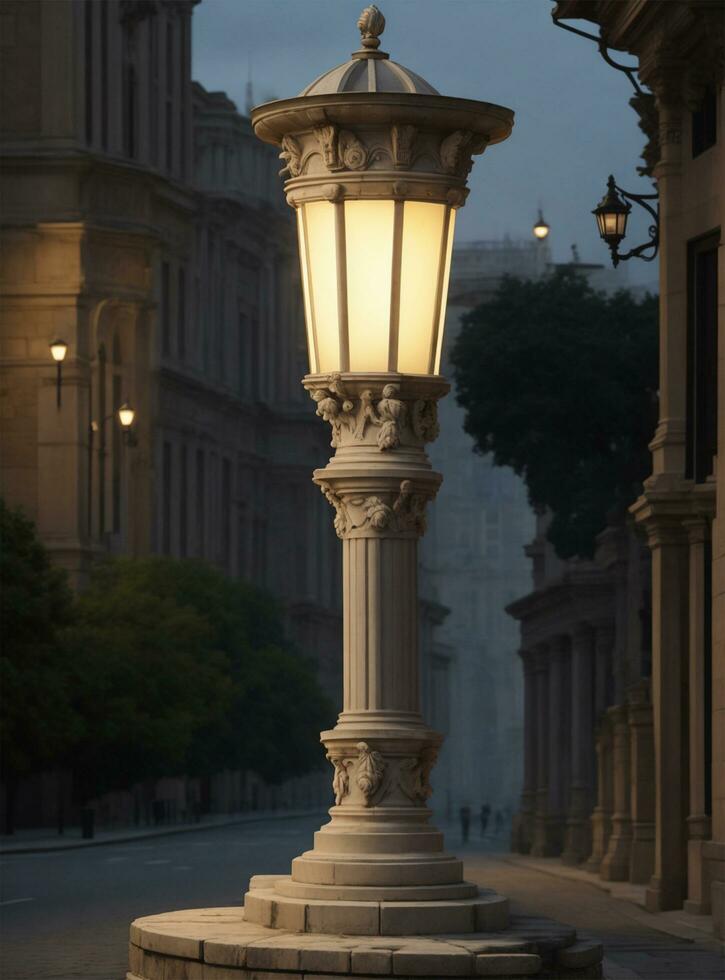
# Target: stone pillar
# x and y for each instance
(603, 655)
(642, 790)
(578, 840)
(615, 865)
(528, 793)
(539, 847)
(558, 737)
(669, 681)
(378, 846)
(698, 821)
(601, 819)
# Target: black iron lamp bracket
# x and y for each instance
(654, 229)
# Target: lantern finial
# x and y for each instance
(371, 25)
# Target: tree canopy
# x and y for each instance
(159, 667)
(559, 382)
(37, 717)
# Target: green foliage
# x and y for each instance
(37, 719)
(181, 669)
(559, 382)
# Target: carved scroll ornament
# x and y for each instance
(389, 414)
(415, 773)
(403, 512)
(370, 771)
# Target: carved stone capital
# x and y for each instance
(383, 773)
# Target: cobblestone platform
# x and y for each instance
(218, 944)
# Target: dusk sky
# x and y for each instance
(573, 122)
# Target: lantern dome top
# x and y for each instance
(369, 70)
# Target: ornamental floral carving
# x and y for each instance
(457, 150)
(424, 420)
(342, 519)
(351, 153)
(335, 407)
(409, 509)
(292, 156)
(377, 513)
(327, 139)
(414, 778)
(370, 771)
(341, 777)
(402, 140)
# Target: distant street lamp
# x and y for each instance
(58, 350)
(125, 415)
(612, 213)
(541, 229)
(376, 163)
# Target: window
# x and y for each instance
(128, 90)
(226, 522)
(241, 353)
(165, 308)
(181, 314)
(166, 499)
(184, 42)
(183, 504)
(704, 124)
(200, 502)
(153, 60)
(104, 76)
(88, 18)
(169, 95)
(702, 299)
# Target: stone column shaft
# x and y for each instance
(539, 846)
(601, 819)
(528, 793)
(698, 821)
(615, 865)
(641, 743)
(578, 844)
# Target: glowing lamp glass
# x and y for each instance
(375, 281)
(541, 230)
(126, 415)
(58, 350)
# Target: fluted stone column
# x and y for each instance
(642, 765)
(539, 847)
(378, 865)
(603, 666)
(601, 819)
(615, 865)
(528, 793)
(578, 839)
(698, 821)
(558, 747)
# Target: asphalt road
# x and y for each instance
(65, 914)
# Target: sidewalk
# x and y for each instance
(677, 922)
(33, 842)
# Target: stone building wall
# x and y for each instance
(679, 47)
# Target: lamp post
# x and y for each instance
(541, 229)
(58, 351)
(125, 416)
(376, 164)
(612, 214)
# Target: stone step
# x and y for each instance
(386, 870)
(371, 893)
(486, 912)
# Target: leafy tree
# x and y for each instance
(37, 718)
(183, 669)
(559, 382)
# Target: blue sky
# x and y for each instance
(573, 122)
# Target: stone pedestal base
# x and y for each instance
(220, 944)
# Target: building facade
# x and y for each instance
(144, 225)
(676, 785)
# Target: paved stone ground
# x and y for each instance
(64, 915)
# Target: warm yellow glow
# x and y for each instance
(369, 260)
(126, 415)
(444, 293)
(314, 368)
(319, 217)
(423, 245)
(541, 231)
(58, 350)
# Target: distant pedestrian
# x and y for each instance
(499, 822)
(485, 814)
(465, 814)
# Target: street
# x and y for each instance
(65, 915)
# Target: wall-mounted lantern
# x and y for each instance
(612, 213)
(58, 351)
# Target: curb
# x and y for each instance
(166, 832)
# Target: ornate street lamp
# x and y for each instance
(541, 229)
(58, 351)
(612, 213)
(126, 416)
(376, 164)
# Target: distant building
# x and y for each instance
(145, 226)
(473, 561)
